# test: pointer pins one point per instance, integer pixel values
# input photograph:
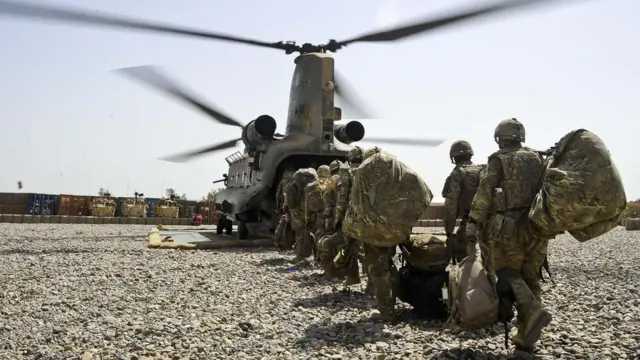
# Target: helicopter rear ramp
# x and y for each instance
(195, 239)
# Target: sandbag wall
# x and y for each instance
(65, 219)
(631, 224)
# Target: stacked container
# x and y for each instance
(150, 202)
(73, 205)
(187, 208)
(208, 211)
(14, 203)
(43, 204)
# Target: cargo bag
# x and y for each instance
(313, 195)
(387, 198)
(424, 291)
(581, 191)
(474, 302)
(426, 251)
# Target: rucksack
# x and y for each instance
(474, 303)
(426, 251)
(387, 198)
(424, 291)
(581, 191)
(313, 195)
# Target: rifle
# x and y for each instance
(545, 266)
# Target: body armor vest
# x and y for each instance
(470, 176)
(522, 173)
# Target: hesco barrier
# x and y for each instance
(63, 219)
(631, 224)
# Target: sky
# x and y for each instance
(71, 126)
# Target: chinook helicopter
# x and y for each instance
(312, 136)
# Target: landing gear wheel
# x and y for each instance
(243, 231)
(220, 225)
(229, 227)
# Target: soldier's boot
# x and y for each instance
(385, 302)
(536, 322)
(522, 327)
(352, 273)
(521, 353)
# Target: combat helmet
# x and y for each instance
(323, 172)
(288, 173)
(370, 152)
(460, 148)
(334, 167)
(355, 155)
(509, 130)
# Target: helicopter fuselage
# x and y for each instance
(311, 139)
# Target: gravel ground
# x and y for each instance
(96, 292)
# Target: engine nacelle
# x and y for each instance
(350, 132)
(259, 131)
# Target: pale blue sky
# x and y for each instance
(70, 126)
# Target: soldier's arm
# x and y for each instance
(484, 196)
(307, 213)
(289, 192)
(329, 205)
(279, 196)
(343, 197)
(451, 195)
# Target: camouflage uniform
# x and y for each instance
(381, 270)
(296, 205)
(316, 218)
(314, 205)
(283, 235)
(333, 239)
(458, 192)
(351, 247)
(501, 205)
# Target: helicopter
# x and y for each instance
(312, 136)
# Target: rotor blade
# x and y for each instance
(432, 24)
(84, 17)
(400, 141)
(151, 75)
(350, 98)
(183, 157)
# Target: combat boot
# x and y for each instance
(537, 321)
(521, 353)
(351, 280)
(369, 289)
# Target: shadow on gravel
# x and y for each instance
(243, 250)
(366, 331)
(279, 261)
(470, 354)
(337, 300)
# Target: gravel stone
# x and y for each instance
(95, 292)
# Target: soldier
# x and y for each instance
(314, 205)
(334, 238)
(458, 192)
(282, 235)
(295, 205)
(381, 270)
(502, 203)
(351, 247)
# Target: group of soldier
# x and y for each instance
(492, 202)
